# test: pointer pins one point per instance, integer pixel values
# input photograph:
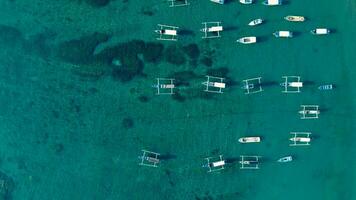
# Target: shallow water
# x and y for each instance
(73, 124)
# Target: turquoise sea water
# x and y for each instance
(73, 125)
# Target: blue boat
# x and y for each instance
(326, 87)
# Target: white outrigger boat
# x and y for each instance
(250, 140)
(292, 18)
(285, 159)
(246, 1)
(247, 40)
(326, 87)
(255, 22)
(320, 31)
(283, 34)
(300, 139)
(272, 2)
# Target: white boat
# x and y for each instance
(326, 87)
(246, 1)
(218, 1)
(285, 159)
(300, 139)
(285, 34)
(247, 40)
(255, 22)
(292, 84)
(272, 2)
(292, 18)
(320, 31)
(250, 139)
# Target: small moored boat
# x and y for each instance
(285, 159)
(247, 40)
(255, 22)
(218, 1)
(250, 140)
(272, 2)
(246, 1)
(285, 34)
(320, 31)
(292, 18)
(326, 87)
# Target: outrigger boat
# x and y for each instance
(326, 87)
(246, 1)
(214, 163)
(247, 40)
(285, 159)
(292, 18)
(250, 140)
(285, 34)
(300, 139)
(255, 22)
(320, 31)
(149, 158)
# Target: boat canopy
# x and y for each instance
(321, 31)
(170, 32)
(219, 85)
(296, 84)
(284, 33)
(273, 2)
(218, 163)
(215, 28)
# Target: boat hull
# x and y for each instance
(294, 18)
(250, 140)
(255, 22)
(326, 87)
(247, 40)
(285, 159)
